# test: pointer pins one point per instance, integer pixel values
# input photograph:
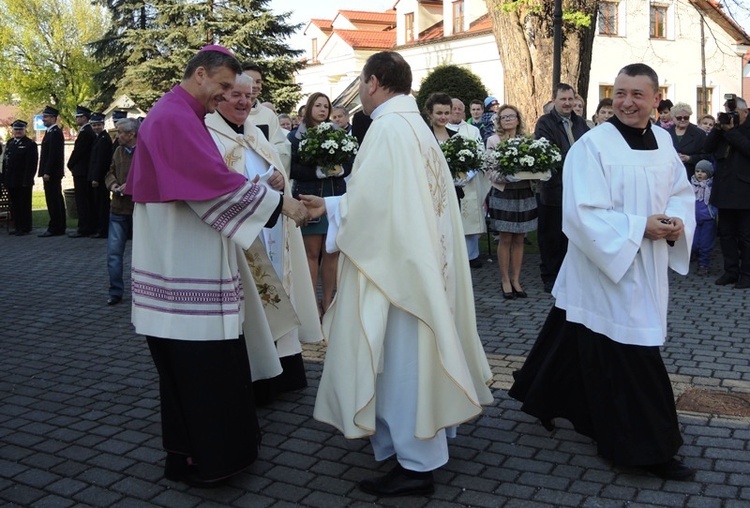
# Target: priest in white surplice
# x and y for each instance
(283, 311)
(404, 363)
(628, 212)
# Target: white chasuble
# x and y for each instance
(613, 280)
(282, 312)
(401, 244)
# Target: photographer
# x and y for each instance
(729, 142)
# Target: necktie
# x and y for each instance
(569, 131)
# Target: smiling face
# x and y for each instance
(49, 120)
(634, 100)
(285, 123)
(508, 119)
(213, 87)
(458, 112)
(238, 104)
(97, 127)
(440, 115)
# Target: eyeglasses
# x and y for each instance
(508, 117)
(682, 118)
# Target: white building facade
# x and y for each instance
(665, 34)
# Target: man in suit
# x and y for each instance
(19, 168)
(101, 156)
(78, 164)
(51, 167)
(562, 127)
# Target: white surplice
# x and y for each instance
(280, 247)
(417, 273)
(613, 280)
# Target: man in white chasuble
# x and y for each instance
(404, 364)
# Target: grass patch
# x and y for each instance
(39, 215)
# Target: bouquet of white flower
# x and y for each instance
(327, 147)
(463, 155)
(522, 154)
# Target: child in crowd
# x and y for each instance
(705, 215)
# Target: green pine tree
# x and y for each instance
(146, 51)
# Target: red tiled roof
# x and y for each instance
(433, 32)
(325, 25)
(716, 12)
(480, 24)
(386, 18)
(368, 39)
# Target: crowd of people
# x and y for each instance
(236, 233)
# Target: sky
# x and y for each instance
(303, 10)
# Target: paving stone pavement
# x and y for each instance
(79, 413)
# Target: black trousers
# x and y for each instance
(84, 204)
(734, 238)
(20, 207)
(55, 206)
(100, 210)
(553, 244)
(207, 406)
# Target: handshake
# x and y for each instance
(305, 209)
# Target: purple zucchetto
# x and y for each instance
(216, 47)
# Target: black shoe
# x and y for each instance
(742, 283)
(475, 263)
(48, 234)
(672, 469)
(176, 469)
(508, 295)
(76, 235)
(399, 482)
(114, 300)
(519, 293)
(548, 424)
(97, 235)
(726, 278)
(12, 232)
(22, 233)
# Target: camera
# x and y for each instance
(731, 117)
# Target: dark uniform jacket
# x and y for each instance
(19, 162)
(551, 127)
(732, 177)
(78, 164)
(101, 156)
(52, 157)
(691, 143)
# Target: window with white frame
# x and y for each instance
(409, 26)
(458, 16)
(658, 27)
